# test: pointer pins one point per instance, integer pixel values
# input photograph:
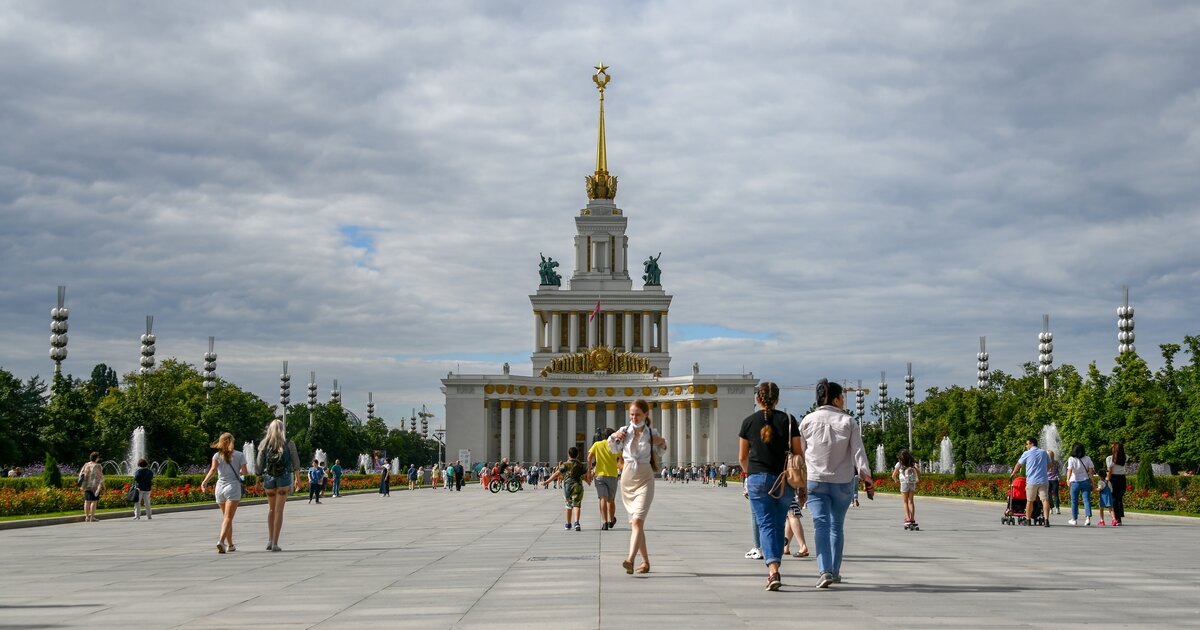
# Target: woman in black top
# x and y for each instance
(143, 478)
(763, 450)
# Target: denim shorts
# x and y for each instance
(283, 482)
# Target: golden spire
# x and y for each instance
(601, 185)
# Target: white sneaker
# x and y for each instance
(1087, 522)
(754, 554)
(1071, 522)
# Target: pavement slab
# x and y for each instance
(472, 559)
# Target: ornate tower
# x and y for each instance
(601, 309)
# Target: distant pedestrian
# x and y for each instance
(279, 465)
(1080, 471)
(1052, 477)
(229, 466)
(1115, 463)
(385, 474)
(91, 481)
(602, 463)
(1104, 488)
(316, 478)
(763, 447)
(906, 473)
(834, 453)
(638, 444)
(337, 477)
(427, 476)
(143, 478)
(412, 476)
(723, 471)
(1037, 477)
(574, 475)
(437, 475)
(459, 473)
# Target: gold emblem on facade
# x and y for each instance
(571, 391)
(600, 359)
(523, 390)
(591, 391)
(554, 391)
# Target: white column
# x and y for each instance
(505, 427)
(667, 427)
(627, 332)
(519, 418)
(573, 331)
(712, 433)
(552, 427)
(556, 332)
(610, 328)
(537, 332)
(647, 327)
(662, 331)
(682, 431)
(590, 426)
(695, 410)
(571, 428)
(535, 431)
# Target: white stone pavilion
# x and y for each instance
(589, 365)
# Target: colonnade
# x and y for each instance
(559, 332)
(690, 427)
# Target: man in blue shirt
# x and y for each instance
(316, 478)
(337, 477)
(1037, 477)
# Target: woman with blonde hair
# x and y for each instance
(763, 447)
(229, 466)
(278, 467)
(638, 445)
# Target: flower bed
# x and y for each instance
(1170, 494)
(167, 491)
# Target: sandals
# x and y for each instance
(800, 554)
(628, 567)
(645, 568)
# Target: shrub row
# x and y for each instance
(1179, 493)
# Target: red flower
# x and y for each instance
(1166, 494)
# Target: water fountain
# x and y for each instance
(250, 453)
(364, 463)
(319, 455)
(396, 466)
(946, 461)
(880, 460)
(1050, 440)
(137, 449)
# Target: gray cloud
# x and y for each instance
(865, 187)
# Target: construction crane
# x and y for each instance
(860, 395)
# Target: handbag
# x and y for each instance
(654, 464)
(132, 495)
(795, 471)
(241, 483)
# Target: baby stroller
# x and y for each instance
(1016, 512)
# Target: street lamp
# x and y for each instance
(1046, 348)
(285, 392)
(58, 330)
(860, 403)
(312, 396)
(370, 406)
(148, 346)
(425, 416)
(210, 368)
(984, 377)
(883, 399)
(910, 390)
(440, 436)
(335, 395)
(1125, 326)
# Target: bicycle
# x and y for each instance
(506, 481)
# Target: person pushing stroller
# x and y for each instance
(1037, 478)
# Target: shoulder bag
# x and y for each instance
(241, 484)
(795, 471)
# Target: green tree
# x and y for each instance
(1184, 449)
(167, 402)
(103, 379)
(69, 431)
(22, 412)
(52, 476)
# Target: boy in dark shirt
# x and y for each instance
(573, 473)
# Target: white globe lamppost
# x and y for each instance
(984, 376)
(312, 397)
(58, 330)
(147, 361)
(285, 392)
(1046, 348)
(883, 400)
(1125, 326)
(335, 395)
(860, 403)
(370, 406)
(210, 368)
(910, 391)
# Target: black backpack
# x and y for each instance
(277, 463)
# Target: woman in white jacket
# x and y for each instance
(638, 444)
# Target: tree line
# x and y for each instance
(70, 417)
(1156, 415)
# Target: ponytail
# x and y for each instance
(827, 392)
(767, 397)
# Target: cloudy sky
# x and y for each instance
(363, 190)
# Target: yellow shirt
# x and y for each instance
(606, 461)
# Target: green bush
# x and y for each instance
(1145, 474)
(52, 476)
(171, 470)
(17, 484)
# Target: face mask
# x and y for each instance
(639, 425)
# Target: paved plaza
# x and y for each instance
(432, 559)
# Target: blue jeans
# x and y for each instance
(337, 485)
(828, 503)
(1078, 488)
(1053, 490)
(771, 514)
(754, 525)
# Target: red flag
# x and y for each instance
(595, 312)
